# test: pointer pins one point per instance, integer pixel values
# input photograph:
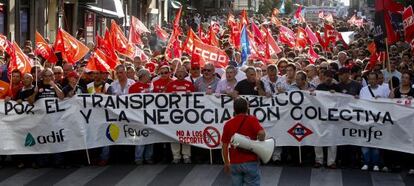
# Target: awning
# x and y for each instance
(106, 8)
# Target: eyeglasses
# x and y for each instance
(207, 70)
(56, 73)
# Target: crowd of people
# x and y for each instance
(340, 70)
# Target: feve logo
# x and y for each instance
(112, 132)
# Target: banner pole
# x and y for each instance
(211, 156)
(300, 154)
(388, 63)
(36, 77)
(87, 151)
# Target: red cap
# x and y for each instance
(151, 67)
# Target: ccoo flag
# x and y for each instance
(245, 48)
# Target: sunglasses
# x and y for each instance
(207, 70)
(50, 75)
(57, 73)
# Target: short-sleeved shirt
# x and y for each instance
(180, 86)
(25, 93)
(352, 88)
(326, 87)
(245, 87)
(117, 88)
(160, 85)
(202, 86)
(223, 86)
(250, 128)
(46, 91)
(140, 87)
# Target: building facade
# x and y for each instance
(20, 19)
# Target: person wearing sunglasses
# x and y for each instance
(208, 82)
(164, 77)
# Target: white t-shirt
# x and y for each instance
(223, 87)
(381, 91)
(117, 89)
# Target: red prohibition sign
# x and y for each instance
(211, 137)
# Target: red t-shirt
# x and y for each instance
(139, 87)
(250, 129)
(180, 86)
(160, 84)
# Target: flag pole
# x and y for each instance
(84, 139)
(388, 62)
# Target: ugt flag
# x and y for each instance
(245, 48)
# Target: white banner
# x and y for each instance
(293, 119)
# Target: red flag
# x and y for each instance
(341, 39)
(173, 49)
(197, 60)
(106, 48)
(177, 19)
(254, 47)
(258, 36)
(323, 43)
(330, 34)
(244, 19)
(271, 47)
(391, 34)
(19, 60)
(408, 22)
(98, 62)
(43, 49)
(135, 30)
(5, 45)
(313, 56)
(72, 50)
(287, 36)
(298, 14)
(301, 40)
(212, 38)
(120, 42)
(138, 26)
(141, 54)
(311, 36)
(235, 35)
(189, 42)
(210, 54)
(389, 5)
(372, 48)
(161, 34)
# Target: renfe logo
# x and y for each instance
(54, 137)
(112, 132)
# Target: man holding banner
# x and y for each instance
(242, 164)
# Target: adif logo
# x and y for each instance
(54, 137)
(112, 132)
(30, 141)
